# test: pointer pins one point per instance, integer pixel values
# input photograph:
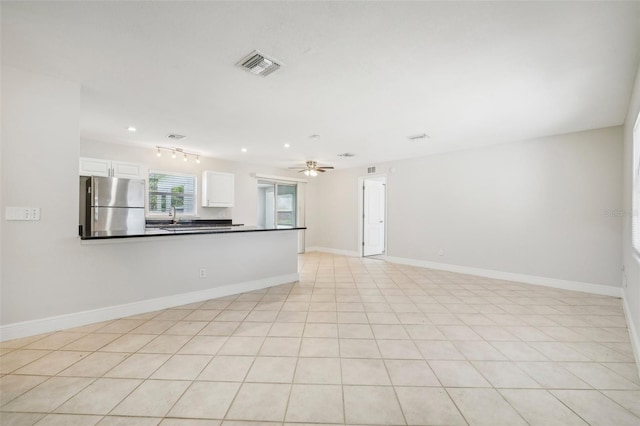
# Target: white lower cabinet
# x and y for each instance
(217, 189)
(112, 168)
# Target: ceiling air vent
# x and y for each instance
(419, 136)
(258, 64)
(371, 169)
(347, 154)
(175, 136)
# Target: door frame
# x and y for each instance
(301, 213)
(379, 177)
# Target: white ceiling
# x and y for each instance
(363, 75)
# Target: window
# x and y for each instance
(167, 190)
(277, 204)
(635, 204)
(286, 206)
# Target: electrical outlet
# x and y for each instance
(203, 273)
(441, 252)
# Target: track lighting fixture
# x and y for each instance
(176, 151)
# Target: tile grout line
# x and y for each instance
(404, 417)
(295, 369)
(143, 381)
(224, 417)
(199, 373)
(438, 378)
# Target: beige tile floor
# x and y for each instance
(354, 342)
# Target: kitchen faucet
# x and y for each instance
(174, 213)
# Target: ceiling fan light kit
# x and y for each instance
(312, 169)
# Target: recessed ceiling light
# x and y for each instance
(419, 136)
(286, 145)
(131, 129)
(347, 154)
(244, 150)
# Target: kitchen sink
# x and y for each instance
(191, 228)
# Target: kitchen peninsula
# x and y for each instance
(135, 274)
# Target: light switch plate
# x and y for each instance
(22, 213)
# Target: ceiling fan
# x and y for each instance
(312, 168)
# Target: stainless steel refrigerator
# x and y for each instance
(114, 206)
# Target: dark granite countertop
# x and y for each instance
(160, 228)
(162, 223)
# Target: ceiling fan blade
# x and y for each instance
(312, 165)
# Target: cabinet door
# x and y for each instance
(94, 167)
(217, 189)
(126, 170)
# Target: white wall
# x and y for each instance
(631, 275)
(46, 270)
(40, 144)
(532, 207)
(332, 210)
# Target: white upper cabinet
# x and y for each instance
(95, 167)
(126, 170)
(217, 189)
(113, 168)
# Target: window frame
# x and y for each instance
(157, 215)
(293, 208)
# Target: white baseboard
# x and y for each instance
(633, 332)
(352, 253)
(510, 276)
(61, 322)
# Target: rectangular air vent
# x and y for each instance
(419, 136)
(371, 169)
(258, 64)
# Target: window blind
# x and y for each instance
(167, 190)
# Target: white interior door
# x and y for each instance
(374, 209)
